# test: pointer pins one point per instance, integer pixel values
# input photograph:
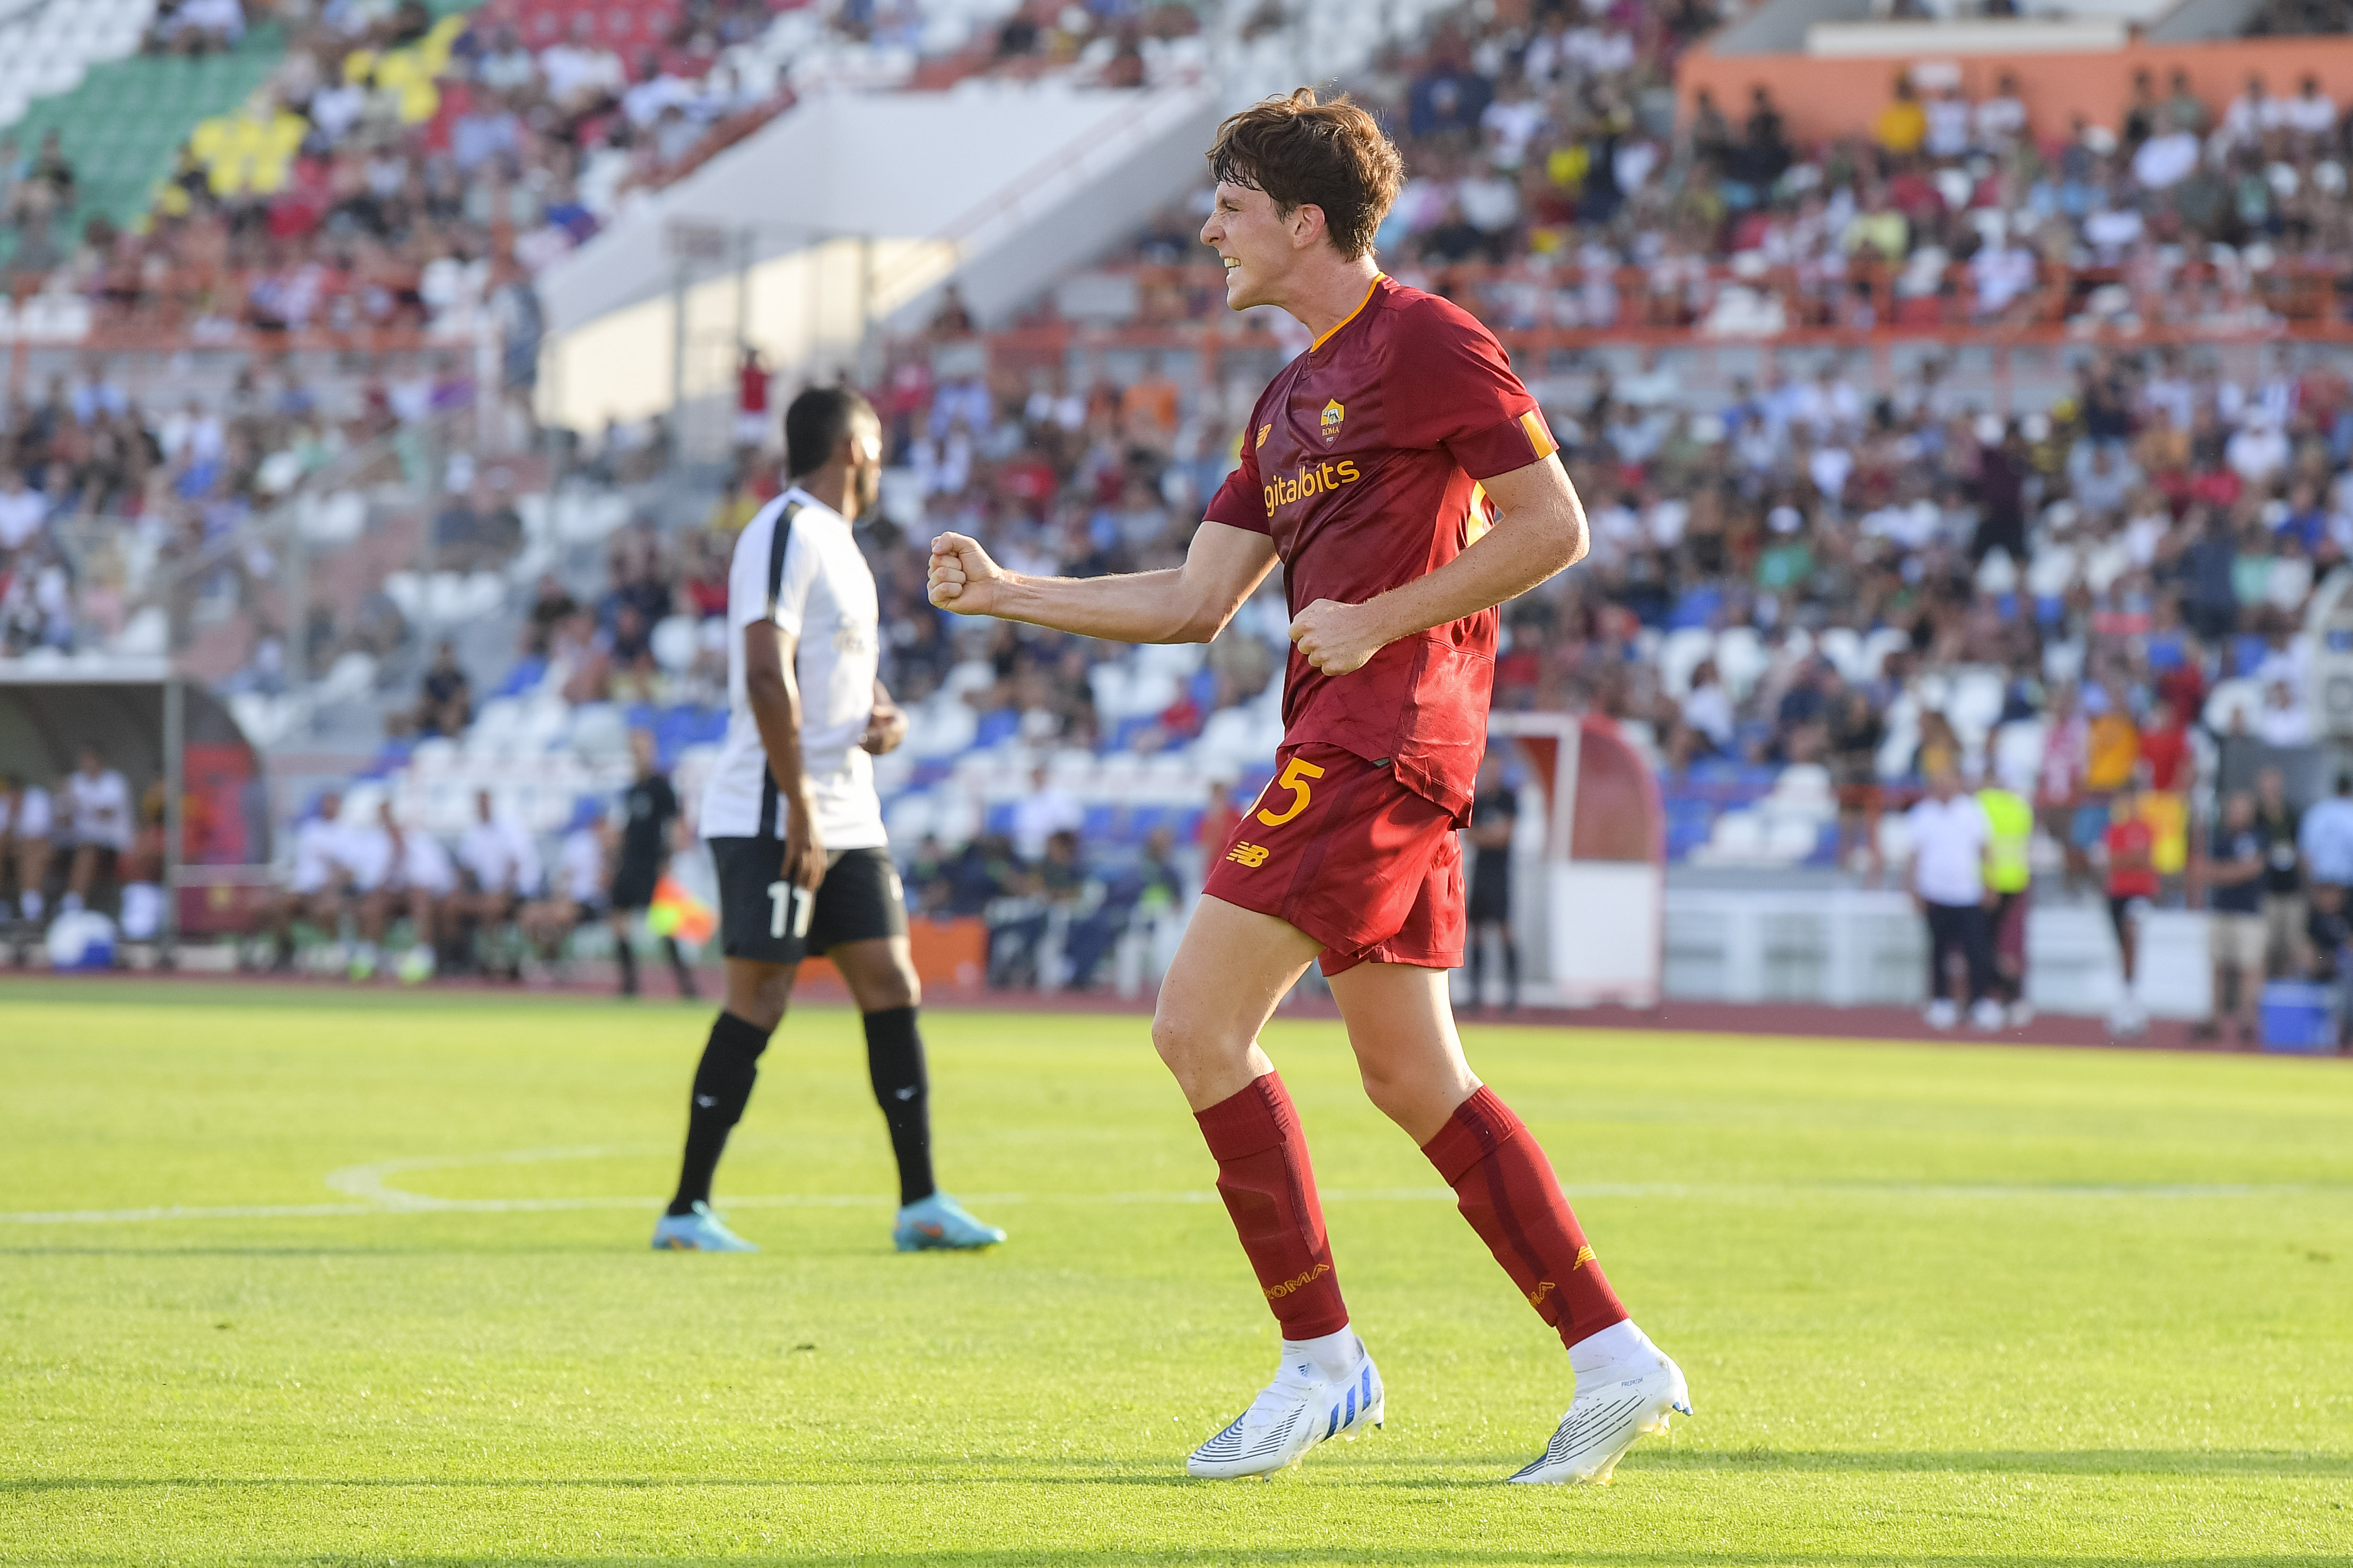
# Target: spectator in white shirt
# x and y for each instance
(2282, 722)
(577, 73)
(2165, 160)
(25, 827)
(1707, 709)
(2311, 112)
(320, 891)
(1511, 123)
(2001, 118)
(23, 510)
(2000, 273)
(498, 855)
(2258, 450)
(1046, 810)
(1948, 124)
(98, 813)
(1951, 842)
(2252, 113)
(398, 870)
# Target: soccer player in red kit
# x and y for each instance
(1361, 473)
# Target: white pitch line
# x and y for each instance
(368, 1181)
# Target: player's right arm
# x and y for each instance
(775, 698)
(1190, 604)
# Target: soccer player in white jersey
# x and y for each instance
(501, 861)
(25, 828)
(795, 829)
(98, 809)
(397, 869)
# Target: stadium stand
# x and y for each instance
(1953, 433)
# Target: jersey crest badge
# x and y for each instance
(1332, 414)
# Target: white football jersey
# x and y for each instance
(27, 818)
(322, 854)
(99, 808)
(817, 591)
(580, 866)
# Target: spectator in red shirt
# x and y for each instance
(2165, 750)
(2131, 845)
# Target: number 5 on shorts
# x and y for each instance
(779, 895)
(1295, 779)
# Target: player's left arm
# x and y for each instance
(887, 726)
(1540, 530)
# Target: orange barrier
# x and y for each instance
(1819, 99)
(950, 954)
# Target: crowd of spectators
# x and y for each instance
(396, 172)
(2152, 521)
(2159, 526)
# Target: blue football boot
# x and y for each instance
(939, 1222)
(700, 1231)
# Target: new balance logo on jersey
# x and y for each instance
(1250, 857)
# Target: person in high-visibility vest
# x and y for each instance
(2008, 874)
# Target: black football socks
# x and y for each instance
(678, 967)
(894, 1057)
(723, 1086)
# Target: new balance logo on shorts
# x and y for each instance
(1248, 856)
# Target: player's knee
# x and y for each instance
(1392, 1095)
(1189, 1046)
(1170, 1037)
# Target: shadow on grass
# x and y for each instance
(1456, 1471)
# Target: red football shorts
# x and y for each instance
(1337, 847)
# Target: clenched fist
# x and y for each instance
(1337, 638)
(963, 578)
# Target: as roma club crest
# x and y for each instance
(1332, 414)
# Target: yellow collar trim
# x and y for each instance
(1350, 316)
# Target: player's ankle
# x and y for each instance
(1332, 1355)
(1595, 1356)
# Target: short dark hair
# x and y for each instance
(1302, 153)
(815, 423)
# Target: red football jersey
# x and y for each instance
(1361, 463)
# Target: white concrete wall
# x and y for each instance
(1853, 947)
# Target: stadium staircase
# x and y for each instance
(72, 67)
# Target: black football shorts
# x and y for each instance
(766, 919)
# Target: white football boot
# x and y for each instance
(1297, 1410)
(1633, 1394)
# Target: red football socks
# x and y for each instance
(1508, 1193)
(1270, 1190)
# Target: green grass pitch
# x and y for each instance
(1940, 1306)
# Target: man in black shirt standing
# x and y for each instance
(2285, 949)
(1495, 811)
(649, 813)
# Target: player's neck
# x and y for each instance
(1322, 295)
(827, 486)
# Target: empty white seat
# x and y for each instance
(1739, 659)
(673, 641)
(1842, 646)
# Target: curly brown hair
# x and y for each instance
(1304, 153)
